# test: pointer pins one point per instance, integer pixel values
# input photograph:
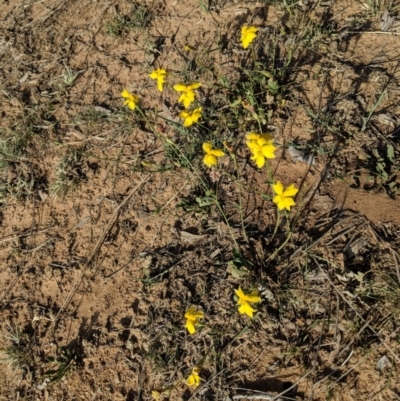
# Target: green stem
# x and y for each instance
(215, 198)
(233, 156)
(278, 220)
(273, 256)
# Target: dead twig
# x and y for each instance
(265, 396)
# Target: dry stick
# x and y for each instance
(99, 243)
(10, 238)
(121, 268)
(396, 264)
(375, 32)
(265, 396)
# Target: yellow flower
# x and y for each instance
(253, 137)
(189, 48)
(283, 198)
(156, 395)
(131, 99)
(192, 315)
(210, 159)
(261, 146)
(249, 33)
(194, 379)
(244, 301)
(187, 96)
(190, 117)
(246, 309)
(160, 75)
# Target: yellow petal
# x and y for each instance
(278, 188)
(188, 121)
(278, 200)
(154, 74)
(195, 115)
(180, 88)
(253, 146)
(186, 98)
(268, 151)
(249, 33)
(246, 309)
(190, 326)
(194, 86)
(184, 114)
(217, 152)
(239, 292)
(290, 191)
(253, 297)
(125, 93)
(193, 314)
(160, 84)
(194, 379)
(210, 160)
(248, 29)
(197, 111)
(207, 146)
(288, 203)
(259, 159)
(131, 104)
(252, 136)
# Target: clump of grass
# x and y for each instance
(62, 365)
(19, 351)
(16, 177)
(69, 173)
(139, 17)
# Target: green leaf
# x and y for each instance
(390, 152)
(273, 86)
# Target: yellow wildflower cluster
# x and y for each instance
(261, 146)
(192, 316)
(244, 300)
(187, 97)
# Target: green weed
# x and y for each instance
(69, 173)
(19, 353)
(139, 17)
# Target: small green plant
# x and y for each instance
(69, 76)
(62, 365)
(139, 17)
(381, 163)
(69, 173)
(16, 176)
(19, 352)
